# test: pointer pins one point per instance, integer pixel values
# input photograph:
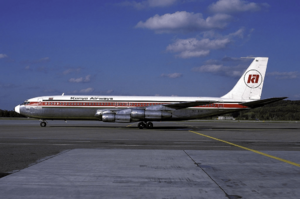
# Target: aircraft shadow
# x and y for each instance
(124, 127)
(196, 128)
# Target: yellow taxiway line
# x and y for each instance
(258, 152)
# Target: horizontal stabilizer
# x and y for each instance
(263, 102)
(182, 105)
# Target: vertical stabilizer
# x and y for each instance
(250, 85)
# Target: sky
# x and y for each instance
(145, 48)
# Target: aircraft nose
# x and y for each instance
(17, 109)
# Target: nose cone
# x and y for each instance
(17, 109)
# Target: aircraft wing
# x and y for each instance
(181, 105)
(263, 102)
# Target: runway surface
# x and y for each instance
(208, 159)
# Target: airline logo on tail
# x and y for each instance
(253, 78)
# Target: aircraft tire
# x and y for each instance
(43, 124)
(149, 125)
(141, 125)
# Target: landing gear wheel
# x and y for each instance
(149, 125)
(141, 125)
(43, 124)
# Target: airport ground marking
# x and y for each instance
(129, 125)
(255, 151)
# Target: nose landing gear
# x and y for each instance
(148, 125)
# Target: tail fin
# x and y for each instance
(250, 85)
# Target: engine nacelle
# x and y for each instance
(157, 114)
(123, 118)
(110, 117)
(152, 115)
(133, 115)
(138, 113)
(99, 113)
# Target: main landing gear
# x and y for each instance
(43, 123)
(148, 125)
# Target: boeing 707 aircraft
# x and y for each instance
(246, 94)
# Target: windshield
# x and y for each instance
(25, 103)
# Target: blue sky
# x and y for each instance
(148, 47)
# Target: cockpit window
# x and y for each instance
(25, 103)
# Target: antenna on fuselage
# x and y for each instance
(63, 94)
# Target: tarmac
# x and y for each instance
(199, 159)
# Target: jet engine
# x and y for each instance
(134, 115)
(110, 117)
(151, 115)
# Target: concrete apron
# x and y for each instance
(113, 173)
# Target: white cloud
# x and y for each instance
(239, 33)
(136, 5)
(81, 79)
(83, 91)
(87, 90)
(42, 60)
(285, 75)
(161, 3)
(217, 68)
(235, 59)
(71, 70)
(38, 61)
(213, 68)
(149, 3)
(3, 56)
(193, 47)
(52, 91)
(172, 75)
(109, 91)
(184, 22)
(221, 70)
(27, 68)
(234, 6)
